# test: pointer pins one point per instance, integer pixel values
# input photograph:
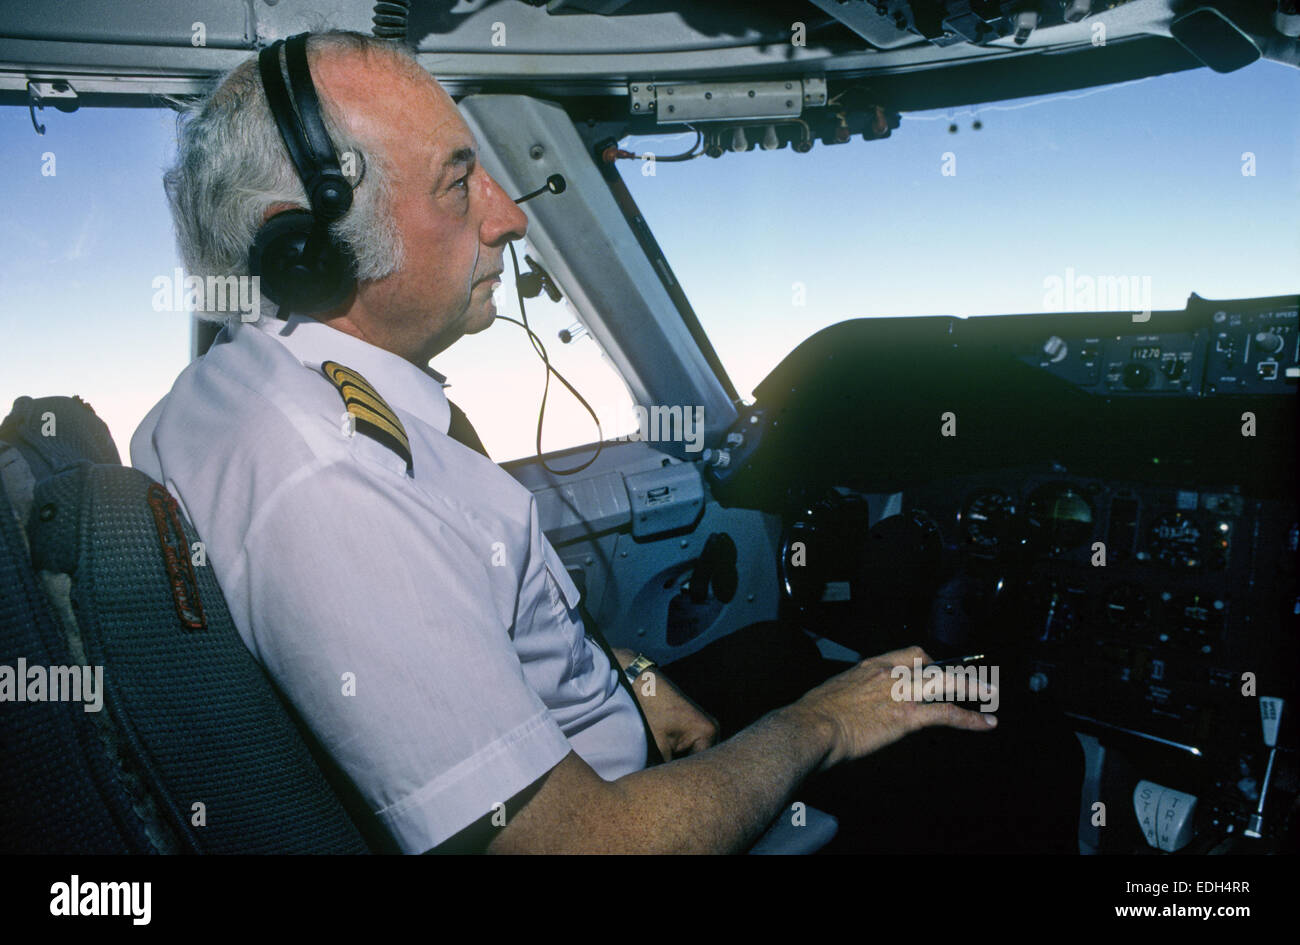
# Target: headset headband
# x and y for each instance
(302, 130)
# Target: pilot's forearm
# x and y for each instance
(716, 801)
(721, 800)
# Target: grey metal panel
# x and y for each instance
(226, 23)
(861, 17)
(627, 456)
(597, 72)
(644, 577)
(591, 251)
(665, 500)
(584, 507)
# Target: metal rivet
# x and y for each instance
(47, 512)
(536, 152)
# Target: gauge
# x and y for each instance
(1175, 539)
(820, 551)
(988, 519)
(1060, 516)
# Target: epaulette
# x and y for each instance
(371, 414)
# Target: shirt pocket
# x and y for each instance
(564, 598)
(564, 595)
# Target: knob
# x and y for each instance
(1270, 342)
(1137, 376)
(1175, 368)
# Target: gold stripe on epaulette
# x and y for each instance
(371, 413)
(349, 376)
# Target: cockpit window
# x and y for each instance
(1112, 198)
(86, 236)
(497, 379)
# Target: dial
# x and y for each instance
(1137, 376)
(988, 519)
(1060, 516)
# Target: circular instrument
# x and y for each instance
(1059, 516)
(988, 521)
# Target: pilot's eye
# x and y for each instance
(462, 183)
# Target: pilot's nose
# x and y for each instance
(503, 220)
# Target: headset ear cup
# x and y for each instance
(295, 283)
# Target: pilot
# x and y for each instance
(391, 579)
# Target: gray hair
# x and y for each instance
(231, 167)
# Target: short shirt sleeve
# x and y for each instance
(382, 634)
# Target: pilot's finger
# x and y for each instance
(702, 743)
(983, 691)
(904, 657)
(951, 715)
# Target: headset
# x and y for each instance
(301, 267)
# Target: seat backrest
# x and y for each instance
(188, 748)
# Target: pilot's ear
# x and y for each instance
(278, 208)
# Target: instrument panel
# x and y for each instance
(1250, 346)
(1111, 517)
(1151, 615)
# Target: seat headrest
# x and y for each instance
(53, 433)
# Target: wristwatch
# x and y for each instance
(637, 667)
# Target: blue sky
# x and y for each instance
(1143, 179)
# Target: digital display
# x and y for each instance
(1145, 353)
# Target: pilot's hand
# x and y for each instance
(862, 715)
(680, 726)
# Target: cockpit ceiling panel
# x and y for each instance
(595, 48)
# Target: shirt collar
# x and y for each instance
(404, 386)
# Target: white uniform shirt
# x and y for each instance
(420, 622)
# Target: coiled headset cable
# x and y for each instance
(540, 348)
